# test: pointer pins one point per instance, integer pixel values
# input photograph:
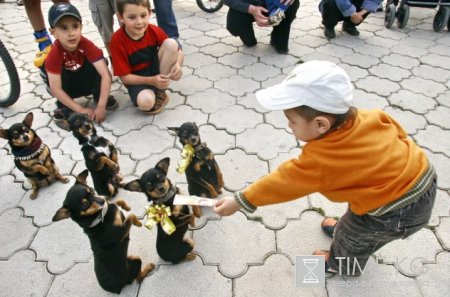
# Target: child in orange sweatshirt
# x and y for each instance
(361, 157)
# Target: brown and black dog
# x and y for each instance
(108, 231)
(31, 155)
(159, 190)
(202, 174)
(99, 153)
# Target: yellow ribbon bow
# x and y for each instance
(186, 154)
(159, 214)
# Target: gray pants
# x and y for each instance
(357, 237)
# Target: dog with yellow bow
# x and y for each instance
(171, 220)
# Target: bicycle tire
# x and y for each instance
(14, 87)
(210, 8)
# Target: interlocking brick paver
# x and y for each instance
(442, 230)
(81, 279)
(48, 201)
(215, 245)
(438, 117)
(441, 207)
(436, 138)
(185, 281)
(277, 269)
(211, 100)
(380, 86)
(402, 71)
(411, 122)
(302, 237)
(153, 142)
(62, 244)
(22, 275)
(265, 141)
(235, 119)
(7, 162)
(408, 100)
(249, 167)
(17, 232)
(377, 280)
(11, 192)
(434, 283)
(409, 261)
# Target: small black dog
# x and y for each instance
(159, 190)
(99, 153)
(202, 174)
(31, 155)
(108, 231)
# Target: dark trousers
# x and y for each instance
(241, 24)
(357, 237)
(83, 82)
(331, 14)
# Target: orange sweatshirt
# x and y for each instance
(368, 164)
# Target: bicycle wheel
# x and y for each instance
(210, 5)
(9, 83)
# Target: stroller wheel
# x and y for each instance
(389, 15)
(402, 16)
(441, 19)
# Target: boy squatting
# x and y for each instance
(363, 157)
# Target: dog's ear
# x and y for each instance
(163, 165)
(3, 133)
(28, 120)
(61, 214)
(81, 178)
(133, 186)
(174, 129)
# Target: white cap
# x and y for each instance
(321, 85)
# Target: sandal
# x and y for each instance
(161, 100)
(328, 225)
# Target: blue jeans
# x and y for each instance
(166, 17)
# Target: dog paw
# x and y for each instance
(190, 257)
(147, 269)
(33, 195)
(64, 180)
(137, 223)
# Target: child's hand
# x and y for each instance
(88, 111)
(176, 72)
(162, 81)
(258, 14)
(226, 206)
(99, 114)
(356, 18)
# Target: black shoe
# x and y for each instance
(279, 49)
(249, 42)
(112, 103)
(329, 33)
(350, 29)
(60, 116)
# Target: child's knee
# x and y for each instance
(169, 45)
(146, 100)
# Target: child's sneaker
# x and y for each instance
(161, 100)
(276, 16)
(41, 56)
(60, 116)
(112, 103)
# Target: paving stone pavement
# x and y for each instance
(405, 72)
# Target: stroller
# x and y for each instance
(400, 9)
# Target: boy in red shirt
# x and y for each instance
(357, 156)
(75, 67)
(144, 57)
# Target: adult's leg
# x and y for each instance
(331, 14)
(241, 24)
(102, 12)
(279, 37)
(166, 17)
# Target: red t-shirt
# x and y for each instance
(59, 59)
(129, 56)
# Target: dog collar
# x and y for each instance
(100, 216)
(200, 151)
(172, 191)
(30, 152)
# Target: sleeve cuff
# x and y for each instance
(243, 202)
